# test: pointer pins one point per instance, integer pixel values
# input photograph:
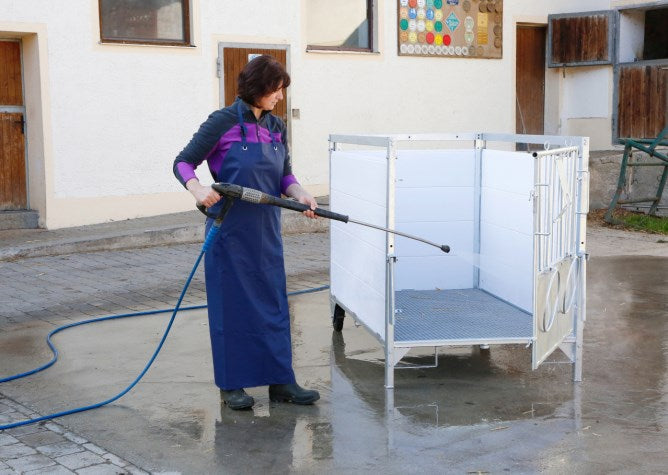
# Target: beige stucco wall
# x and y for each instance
(113, 117)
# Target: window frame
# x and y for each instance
(618, 64)
(371, 18)
(187, 39)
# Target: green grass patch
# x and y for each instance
(643, 222)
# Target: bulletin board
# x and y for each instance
(450, 28)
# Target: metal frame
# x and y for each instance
(549, 173)
(569, 242)
(479, 144)
(558, 176)
(647, 146)
(612, 38)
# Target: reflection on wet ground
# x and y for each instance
(468, 386)
(477, 411)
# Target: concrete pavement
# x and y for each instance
(491, 415)
(51, 278)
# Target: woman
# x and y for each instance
(249, 322)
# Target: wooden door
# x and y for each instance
(12, 124)
(530, 80)
(642, 111)
(234, 60)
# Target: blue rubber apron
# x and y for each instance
(249, 321)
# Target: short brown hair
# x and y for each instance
(261, 76)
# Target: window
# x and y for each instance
(580, 39)
(164, 22)
(643, 35)
(656, 34)
(641, 75)
(344, 25)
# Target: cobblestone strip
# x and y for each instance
(75, 287)
(49, 448)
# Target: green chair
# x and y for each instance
(649, 147)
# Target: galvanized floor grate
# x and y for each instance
(464, 314)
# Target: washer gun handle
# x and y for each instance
(256, 196)
(202, 208)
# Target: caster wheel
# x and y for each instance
(337, 318)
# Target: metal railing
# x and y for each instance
(556, 205)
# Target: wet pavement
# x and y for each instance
(479, 411)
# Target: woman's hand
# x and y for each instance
(300, 194)
(203, 194)
(307, 199)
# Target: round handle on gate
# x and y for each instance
(570, 287)
(550, 315)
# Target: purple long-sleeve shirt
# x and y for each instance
(217, 134)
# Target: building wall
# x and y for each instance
(113, 117)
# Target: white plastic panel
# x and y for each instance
(360, 173)
(434, 200)
(434, 204)
(435, 168)
(509, 171)
(358, 255)
(423, 267)
(506, 229)
(506, 267)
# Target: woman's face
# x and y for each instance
(268, 102)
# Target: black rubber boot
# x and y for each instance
(292, 393)
(237, 399)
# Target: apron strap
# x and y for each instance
(271, 134)
(242, 125)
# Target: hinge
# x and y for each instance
(219, 67)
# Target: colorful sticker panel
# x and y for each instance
(450, 28)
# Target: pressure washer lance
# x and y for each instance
(251, 195)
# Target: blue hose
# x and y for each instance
(207, 243)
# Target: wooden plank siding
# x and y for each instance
(12, 164)
(10, 74)
(580, 39)
(234, 60)
(643, 100)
